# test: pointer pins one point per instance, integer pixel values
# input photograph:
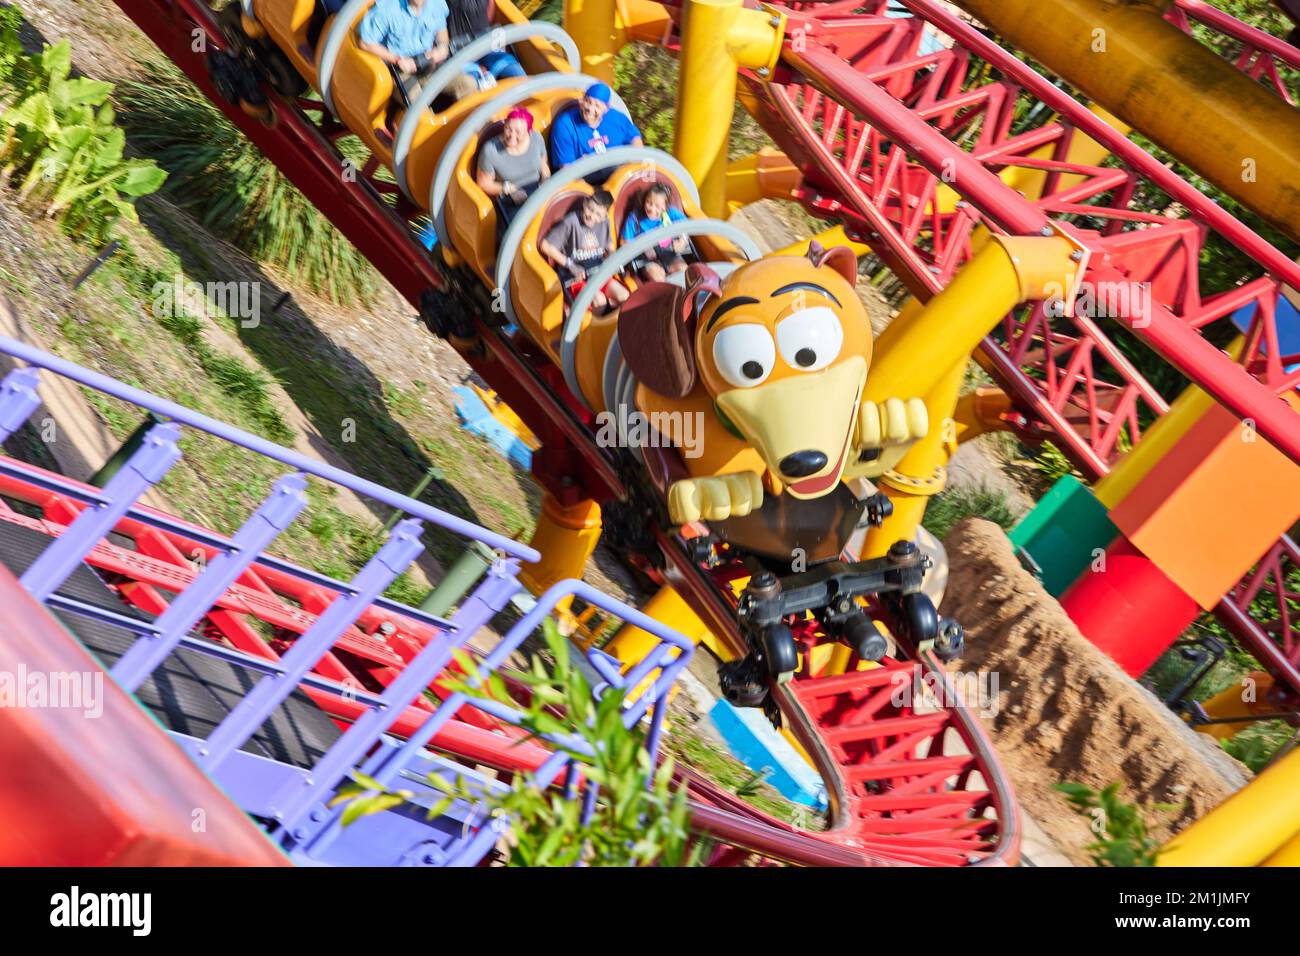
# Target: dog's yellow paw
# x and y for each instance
(892, 422)
(715, 497)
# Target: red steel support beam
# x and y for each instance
(1229, 383)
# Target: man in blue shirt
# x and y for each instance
(591, 127)
(409, 35)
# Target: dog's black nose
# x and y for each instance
(801, 464)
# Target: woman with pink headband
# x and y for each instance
(512, 165)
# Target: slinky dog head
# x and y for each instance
(782, 345)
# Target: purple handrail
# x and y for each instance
(286, 456)
(298, 805)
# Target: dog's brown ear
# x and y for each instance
(656, 331)
(839, 258)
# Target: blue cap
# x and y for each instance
(599, 91)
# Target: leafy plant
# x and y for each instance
(1053, 464)
(11, 48)
(61, 135)
(952, 505)
(237, 192)
(638, 819)
(1121, 830)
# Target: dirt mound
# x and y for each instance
(1065, 711)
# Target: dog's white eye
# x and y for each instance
(744, 354)
(810, 339)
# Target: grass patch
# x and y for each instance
(729, 773)
(951, 506)
(236, 191)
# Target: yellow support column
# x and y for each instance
(718, 37)
(924, 352)
(834, 236)
(592, 25)
(668, 608)
(1288, 855)
(1251, 826)
(565, 536)
(767, 174)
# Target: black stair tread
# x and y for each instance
(191, 692)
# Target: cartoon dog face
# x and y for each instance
(782, 346)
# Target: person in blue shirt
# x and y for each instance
(655, 210)
(591, 127)
(409, 35)
(469, 20)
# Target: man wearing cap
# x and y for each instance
(591, 127)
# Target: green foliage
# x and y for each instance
(548, 11)
(12, 60)
(237, 192)
(639, 819)
(1121, 830)
(1260, 743)
(646, 77)
(1053, 464)
(1262, 15)
(60, 134)
(946, 509)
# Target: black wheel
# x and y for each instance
(780, 654)
(280, 74)
(239, 44)
(743, 683)
(225, 74)
(862, 636)
(920, 617)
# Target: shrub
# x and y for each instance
(946, 509)
(639, 818)
(60, 133)
(1121, 830)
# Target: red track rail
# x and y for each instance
(370, 659)
(853, 89)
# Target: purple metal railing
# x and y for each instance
(297, 799)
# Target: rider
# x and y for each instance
(513, 164)
(469, 20)
(410, 36)
(578, 243)
(656, 210)
(591, 127)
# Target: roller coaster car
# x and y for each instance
(773, 359)
(769, 356)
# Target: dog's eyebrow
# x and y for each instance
(810, 286)
(729, 304)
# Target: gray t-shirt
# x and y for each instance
(524, 170)
(585, 245)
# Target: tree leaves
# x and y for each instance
(1120, 828)
(637, 817)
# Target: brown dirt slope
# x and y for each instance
(1065, 711)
